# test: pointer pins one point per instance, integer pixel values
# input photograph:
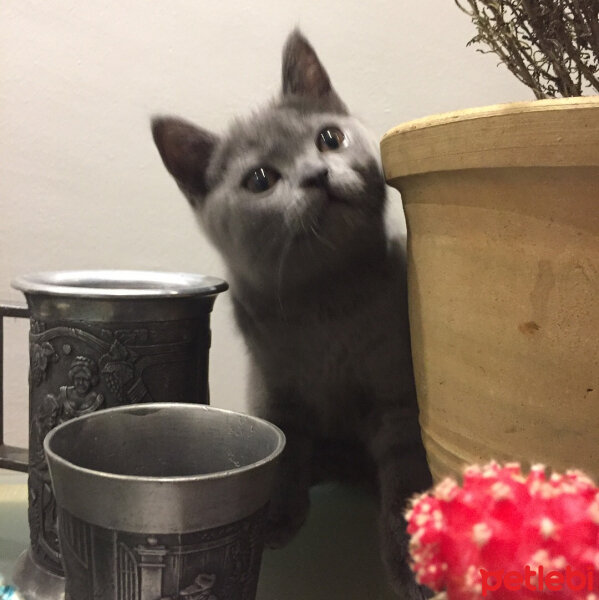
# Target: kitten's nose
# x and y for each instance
(317, 178)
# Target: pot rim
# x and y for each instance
(495, 110)
(166, 504)
(541, 133)
(116, 283)
(157, 480)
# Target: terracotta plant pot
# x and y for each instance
(502, 209)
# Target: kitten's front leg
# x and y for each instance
(280, 403)
(402, 470)
(290, 500)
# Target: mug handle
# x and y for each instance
(11, 457)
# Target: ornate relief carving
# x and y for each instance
(42, 355)
(77, 370)
(215, 564)
(200, 589)
(42, 505)
(118, 370)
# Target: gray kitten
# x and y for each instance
(294, 199)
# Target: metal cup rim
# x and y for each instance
(117, 283)
(183, 479)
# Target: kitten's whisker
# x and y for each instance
(349, 218)
(302, 224)
(284, 253)
(321, 239)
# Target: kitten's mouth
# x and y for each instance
(323, 211)
(335, 198)
(328, 195)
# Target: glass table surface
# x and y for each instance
(335, 555)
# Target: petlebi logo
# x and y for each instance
(539, 579)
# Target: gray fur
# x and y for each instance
(319, 293)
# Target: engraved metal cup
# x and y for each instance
(100, 339)
(162, 501)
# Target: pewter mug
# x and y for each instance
(162, 501)
(100, 339)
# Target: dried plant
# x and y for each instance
(550, 45)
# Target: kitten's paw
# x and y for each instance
(279, 532)
(412, 591)
(285, 519)
(394, 552)
(404, 585)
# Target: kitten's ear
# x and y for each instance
(185, 150)
(304, 75)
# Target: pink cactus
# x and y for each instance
(490, 536)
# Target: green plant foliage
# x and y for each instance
(550, 45)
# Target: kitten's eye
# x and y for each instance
(260, 179)
(330, 139)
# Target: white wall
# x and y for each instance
(81, 184)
